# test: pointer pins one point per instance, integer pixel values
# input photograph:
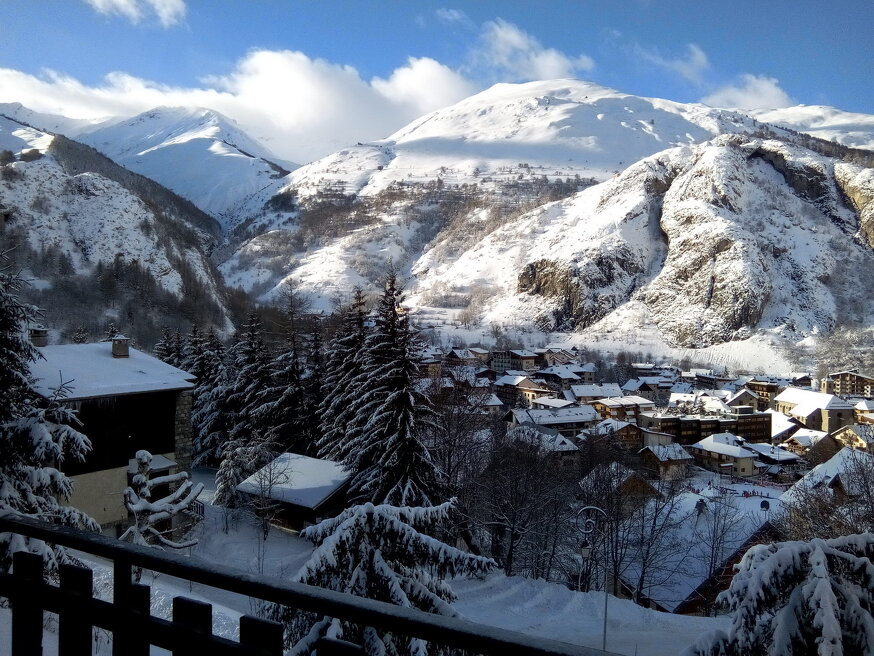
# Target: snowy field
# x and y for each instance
(530, 606)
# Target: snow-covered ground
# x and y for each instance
(529, 606)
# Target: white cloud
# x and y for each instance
(505, 51)
(751, 92)
(302, 108)
(691, 67)
(424, 84)
(453, 16)
(168, 12)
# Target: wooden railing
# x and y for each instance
(189, 631)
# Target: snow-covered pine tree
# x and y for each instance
(798, 598)
(148, 516)
(384, 445)
(282, 413)
(378, 552)
(240, 459)
(250, 387)
(80, 336)
(344, 363)
(313, 380)
(210, 413)
(36, 436)
(169, 347)
(193, 357)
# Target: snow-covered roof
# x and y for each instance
(780, 423)
(297, 479)
(549, 402)
(726, 444)
(607, 426)
(667, 452)
(562, 371)
(556, 416)
(493, 401)
(773, 452)
(92, 371)
(595, 391)
(865, 405)
(727, 520)
(623, 401)
(806, 437)
(811, 400)
(842, 462)
(522, 353)
(510, 380)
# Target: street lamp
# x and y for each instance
(588, 527)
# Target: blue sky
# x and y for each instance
(313, 75)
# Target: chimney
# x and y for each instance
(39, 336)
(120, 346)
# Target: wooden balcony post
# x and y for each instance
(262, 637)
(27, 570)
(192, 623)
(74, 626)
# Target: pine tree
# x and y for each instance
(36, 436)
(384, 445)
(250, 387)
(241, 458)
(169, 348)
(344, 364)
(210, 413)
(378, 552)
(193, 357)
(794, 598)
(81, 335)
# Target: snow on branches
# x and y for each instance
(794, 598)
(147, 515)
(378, 552)
(36, 436)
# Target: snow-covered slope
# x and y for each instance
(847, 128)
(713, 242)
(48, 122)
(198, 153)
(555, 127)
(76, 204)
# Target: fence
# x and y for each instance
(134, 629)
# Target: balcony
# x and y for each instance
(189, 631)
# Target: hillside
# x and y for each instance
(101, 243)
(198, 153)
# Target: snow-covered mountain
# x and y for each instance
(78, 221)
(705, 225)
(198, 153)
(847, 128)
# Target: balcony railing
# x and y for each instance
(189, 631)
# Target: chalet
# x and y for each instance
(802, 440)
(649, 387)
(863, 411)
(623, 408)
(856, 436)
(500, 361)
(782, 427)
(481, 354)
(569, 421)
(714, 528)
(850, 383)
(616, 481)
(126, 400)
(743, 397)
(523, 360)
(460, 357)
(555, 356)
(843, 474)
(625, 432)
(557, 447)
(670, 461)
(305, 490)
(589, 392)
(766, 389)
(725, 453)
(518, 390)
(688, 429)
(548, 402)
(778, 460)
(562, 376)
(825, 412)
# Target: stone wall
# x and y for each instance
(184, 439)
